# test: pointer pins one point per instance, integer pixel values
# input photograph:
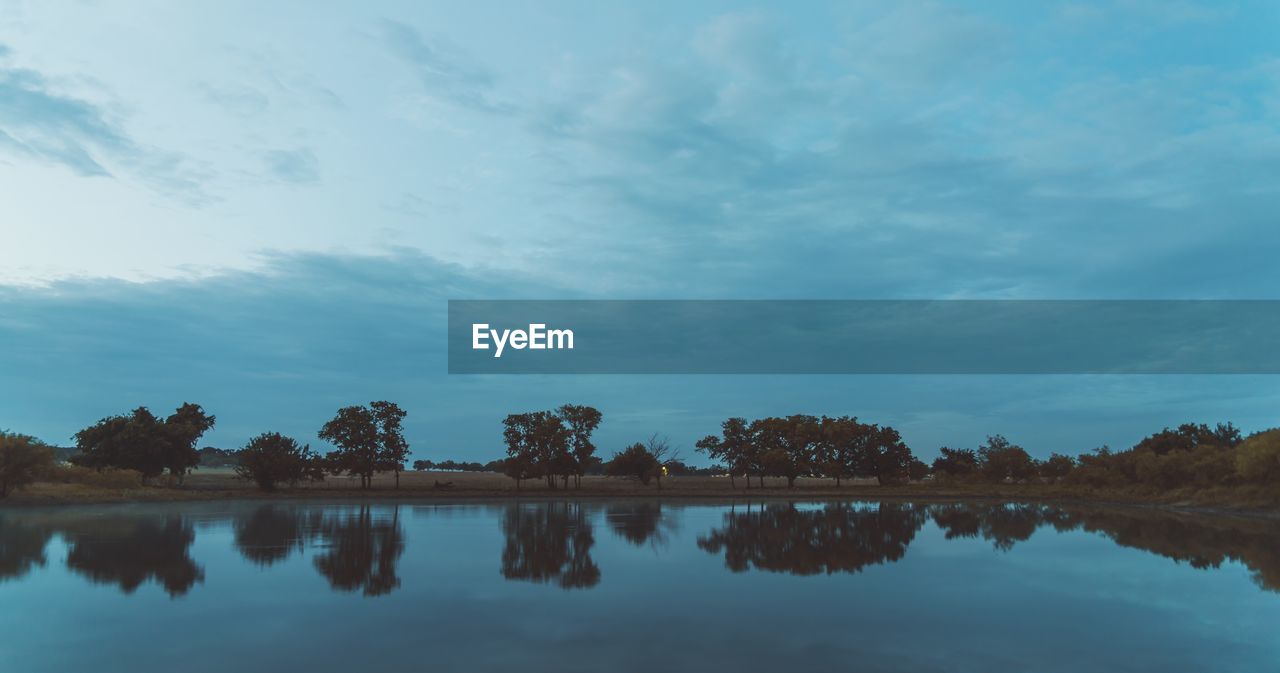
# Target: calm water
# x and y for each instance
(634, 586)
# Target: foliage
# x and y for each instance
(1258, 458)
(1001, 461)
(141, 441)
(368, 439)
(271, 459)
(635, 461)
(955, 463)
(22, 460)
(555, 444)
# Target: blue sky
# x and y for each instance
(264, 208)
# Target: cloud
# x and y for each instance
(445, 75)
(38, 120)
(298, 166)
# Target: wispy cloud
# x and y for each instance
(298, 166)
(39, 120)
(444, 73)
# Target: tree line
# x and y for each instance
(556, 447)
(368, 439)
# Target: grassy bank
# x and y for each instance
(222, 484)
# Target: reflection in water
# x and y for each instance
(640, 523)
(21, 547)
(549, 541)
(271, 533)
(359, 548)
(363, 550)
(839, 537)
(127, 551)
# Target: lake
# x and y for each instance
(634, 586)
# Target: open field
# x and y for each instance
(222, 483)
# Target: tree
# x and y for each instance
(734, 447)
(580, 421)
(22, 459)
(518, 468)
(917, 470)
(955, 463)
(540, 439)
(133, 442)
(635, 461)
(183, 429)
(1057, 467)
(1002, 461)
(393, 450)
(354, 431)
(660, 448)
(271, 458)
(887, 455)
(840, 450)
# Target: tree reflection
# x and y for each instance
(639, 523)
(270, 533)
(839, 537)
(362, 551)
(21, 547)
(549, 542)
(1003, 524)
(129, 551)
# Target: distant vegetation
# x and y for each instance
(556, 448)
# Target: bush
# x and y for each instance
(271, 459)
(22, 459)
(1258, 458)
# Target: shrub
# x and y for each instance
(22, 459)
(271, 459)
(1258, 458)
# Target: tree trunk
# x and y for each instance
(397, 480)
(791, 481)
(761, 481)
(732, 483)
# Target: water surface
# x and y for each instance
(634, 586)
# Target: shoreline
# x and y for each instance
(418, 487)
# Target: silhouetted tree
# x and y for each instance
(540, 439)
(271, 459)
(580, 421)
(635, 461)
(368, 439)
(142, 442)
(393, 450)
(182, 429)
(734, 447)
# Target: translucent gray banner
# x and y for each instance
(864, 337)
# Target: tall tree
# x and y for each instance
(354, 431)
(393, 450)
(580, 421)
(734, 447)
(540, 438)
(183, 428)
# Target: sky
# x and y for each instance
(264, 208)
